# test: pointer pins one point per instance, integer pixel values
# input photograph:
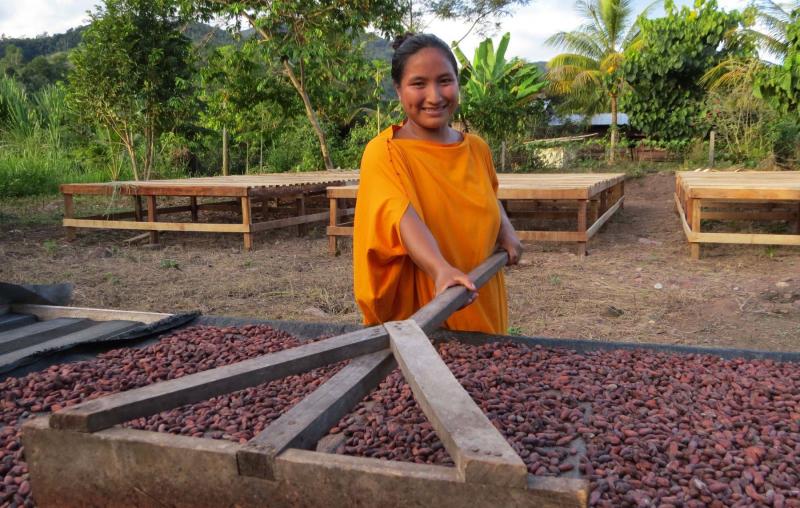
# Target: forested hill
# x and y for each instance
(45, 45)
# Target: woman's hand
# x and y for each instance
(507, 238)
(448, 276)
(508, 241)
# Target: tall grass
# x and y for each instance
(35, 156)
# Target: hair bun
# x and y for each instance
(400, 39)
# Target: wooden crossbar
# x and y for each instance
(114, 409)
(481, 454)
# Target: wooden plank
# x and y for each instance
(749, 216)
(156, 226)
(118, 408)
(307, 422)
(10, 321)
(293, 221)
(98, 331)
(480, 452)
(552, 236)
(45, 312)
(748, 238)
(39, 332)
(604, 218)
(340, 231)
(432, 315)
(690, 235)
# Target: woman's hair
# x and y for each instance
(408, 44)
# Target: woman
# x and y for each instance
(427, 211)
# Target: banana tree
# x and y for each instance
(496, 93)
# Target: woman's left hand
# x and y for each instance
(508, 241)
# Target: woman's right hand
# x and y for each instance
(449, 276)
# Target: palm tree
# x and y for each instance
(590, 75)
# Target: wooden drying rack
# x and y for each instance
(80, 455)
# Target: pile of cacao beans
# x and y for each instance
(645, 428)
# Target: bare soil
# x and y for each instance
(638, 283)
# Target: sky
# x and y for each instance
(529, 25)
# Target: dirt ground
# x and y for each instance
(638, 283)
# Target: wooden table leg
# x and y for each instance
(193, 207)
(300, 205)
(248, 222)
(694, 222)
(582, 215)
(152, 216)
(69, 213)
(137, 208)
(334, 206)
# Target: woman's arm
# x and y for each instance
(507, 237)
(424, 251)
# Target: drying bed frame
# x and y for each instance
(245, 192)
(591, 198)
(81, 456)
(748, 196)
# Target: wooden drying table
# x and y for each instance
(750, 195)
(591, 198)
(244, 189)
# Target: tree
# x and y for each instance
(667, 100)
(130, 74)
(483, 15)
(311, 39)
(496, 91)
(590, 76)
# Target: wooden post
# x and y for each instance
(248, 222)
(797, 224)
(582, 206)
(137, 208)
(193, 206)
(152, 216)
(711, 141)
(332, 247)
(69, 213)
(300, 205)
(694, 206)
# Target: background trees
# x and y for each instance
(130, 75)
(590, 75)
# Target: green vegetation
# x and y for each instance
(147, 91)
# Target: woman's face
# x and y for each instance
(428, 90)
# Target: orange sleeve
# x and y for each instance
(380, 259)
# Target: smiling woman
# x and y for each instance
(427, 210)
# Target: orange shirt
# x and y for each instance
(453, 188)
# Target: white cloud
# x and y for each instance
(30, 18)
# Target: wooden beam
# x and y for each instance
(552, 236)
(582, 219)
(480, 452)
(748, 238)
(247, 223)
(696, 207)
(118, 408)
(432, 315)
(604, 218)
(293, 221)
(152, 217)
(333, 216)
(45, 312)
(156, 226)
(69, 213)
(308, 421)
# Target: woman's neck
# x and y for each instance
(445, 135)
